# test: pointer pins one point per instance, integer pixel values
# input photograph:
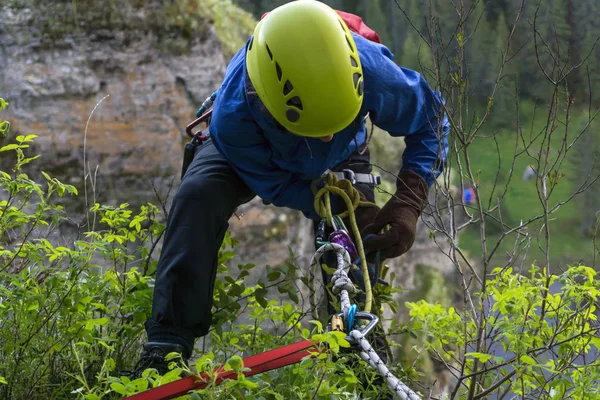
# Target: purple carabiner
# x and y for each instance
(342, 238)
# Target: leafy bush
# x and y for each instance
(540, 338)
(64, 317)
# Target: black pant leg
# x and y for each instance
(207, 197)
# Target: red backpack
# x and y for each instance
(355, 24)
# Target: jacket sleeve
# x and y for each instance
(242, 143)
(401, 102)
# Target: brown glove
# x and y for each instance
(401, 213)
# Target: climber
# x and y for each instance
(530, 173)
(468, 197)
(292, 105)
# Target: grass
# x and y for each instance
(522, 202)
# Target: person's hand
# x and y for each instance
(401, 213)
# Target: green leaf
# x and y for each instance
(30, 159)
(248, 384)
(2, 380)
(350, 377)
(173, 356)
(4, 128)
(273, 275)
(107, 347)
(260, 296)
(9, 147)
(528, 360)
(96, 322)
(293, 296)
(235, 290)
(110, 364)
(460, 39)
(119, 388)
(316, 323)
(235, 362)
(140, 385)
(480, 356)
(171, 376)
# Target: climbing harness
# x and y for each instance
(355, 177)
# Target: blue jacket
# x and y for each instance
(279, 166)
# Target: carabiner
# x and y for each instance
(365, 330)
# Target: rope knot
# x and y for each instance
(338, 187)
(341, 281)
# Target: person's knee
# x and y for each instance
(212, 195)
(196, 188)
(203, 194)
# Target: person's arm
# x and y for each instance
(401, 102)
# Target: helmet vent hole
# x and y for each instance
(342, 25)
(251, 42)
(349, 44)
(292, 114)
(295, 102)
(361, 87)
(269, 51)
(353, 62)
(356, 78)
(279, 72)
(287, 88)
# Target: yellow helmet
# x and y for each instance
(305, 68)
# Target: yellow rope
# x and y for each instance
(351, 197)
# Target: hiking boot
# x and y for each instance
(153, 356)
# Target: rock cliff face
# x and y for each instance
(144, 90)
(144, 99)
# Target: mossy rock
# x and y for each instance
(175, 23)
